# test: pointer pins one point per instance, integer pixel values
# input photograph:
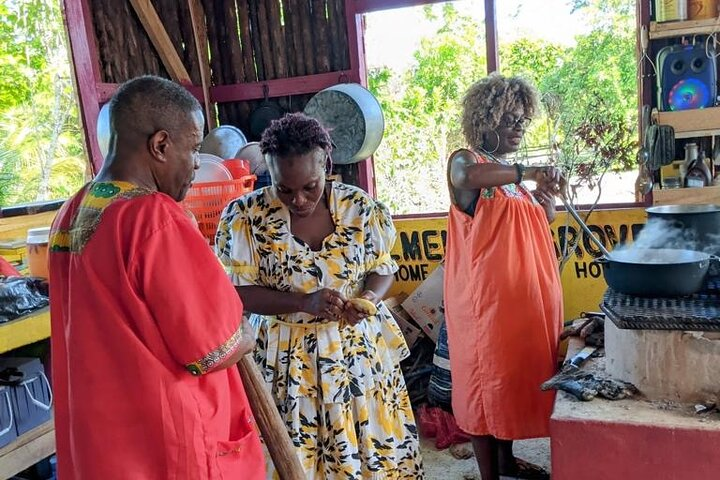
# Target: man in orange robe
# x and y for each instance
(146, 328)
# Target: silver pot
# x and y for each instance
(353, 116)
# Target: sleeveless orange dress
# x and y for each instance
(503, 308)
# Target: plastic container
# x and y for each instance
(238, 167)
(263, 181)
(31, 397)
(207, 200)
(37, 251)
(671, 10)
(702, 9)
(8, 430)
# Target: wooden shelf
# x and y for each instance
(686, 196)
(25, 330)
(681, 29)
(702, 122)
(27, 450)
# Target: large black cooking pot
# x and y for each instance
(701, 222)
(656, 272)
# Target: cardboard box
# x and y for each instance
(425, 304)
(410, 330)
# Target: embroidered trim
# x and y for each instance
(206, 363)
(89, 213)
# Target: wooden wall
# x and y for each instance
(248, 41)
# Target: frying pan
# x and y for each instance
(223, 141)
(650, 272)
(263, 115)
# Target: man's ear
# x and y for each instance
(158, 145)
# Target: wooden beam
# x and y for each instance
(27, 450)
(105, 91)
(86, 72)
(281, 87)
(367, 6)
(491, 43)
(161, 40)
(199, 27)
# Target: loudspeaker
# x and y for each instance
(687, 77)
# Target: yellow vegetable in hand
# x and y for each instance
(363, 305)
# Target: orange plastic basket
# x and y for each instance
(207, 200)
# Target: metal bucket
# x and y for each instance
(671, 10)
(354, 118)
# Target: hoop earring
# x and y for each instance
(497, 142)
(328, 165)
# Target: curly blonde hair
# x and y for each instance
(487, 100)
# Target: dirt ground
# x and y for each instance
(441, 465)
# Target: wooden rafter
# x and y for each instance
(199, 27)
(161, 40)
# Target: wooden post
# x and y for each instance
(197, 17)
(86, 65)
(273, 429)
(161, 40)
(491, 43)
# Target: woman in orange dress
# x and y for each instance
(503, 295)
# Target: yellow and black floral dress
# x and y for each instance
(339, 388)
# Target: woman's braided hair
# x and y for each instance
(294, 134)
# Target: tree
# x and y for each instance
(41, 153)
(422, 112)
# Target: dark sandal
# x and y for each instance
(527, 471)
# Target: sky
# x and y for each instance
(392, 36)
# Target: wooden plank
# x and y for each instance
(277, 35)
(690, 123)
(253, 9)
(107, 90)
(686, 196)
(681, 29)
(491, 40)
(305, 14)
(265, 45)
(12, 228)
(161, 40)
(280, 87)
(367, 6)
(27, 450)
(86, 69)
(25, 330)
(246, 40)
(197, 17)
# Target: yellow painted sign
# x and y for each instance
(420, 247)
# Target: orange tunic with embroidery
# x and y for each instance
(503, 307)
(137, 300)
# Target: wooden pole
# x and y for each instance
(273, 429)
(197, 17)
(161, 40)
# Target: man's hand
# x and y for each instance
(247, 341)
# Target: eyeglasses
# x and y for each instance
(511, 122)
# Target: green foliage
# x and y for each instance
(591, 89)
(41, 152)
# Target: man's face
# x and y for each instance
(176, 173)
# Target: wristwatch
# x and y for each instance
(520, 169)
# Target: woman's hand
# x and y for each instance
(326, 303)
(549, 179)
(355, 316)
(547, 201)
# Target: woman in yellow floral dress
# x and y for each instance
(297, 252)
